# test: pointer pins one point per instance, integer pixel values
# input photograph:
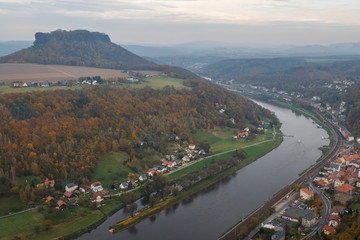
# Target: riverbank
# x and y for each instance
(203, 184)
(252, 220)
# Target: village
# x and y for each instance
(95, 193)
(300, 212)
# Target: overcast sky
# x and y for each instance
(292, 22)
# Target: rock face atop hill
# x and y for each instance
(42, 39)
(78, 48)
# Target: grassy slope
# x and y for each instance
(222, 140)
(71, 226)
(157, 82)
(110, 166)
(20, 225)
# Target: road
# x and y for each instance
(324, 219)
(280, 208)
(12, 214)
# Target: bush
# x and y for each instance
(47, 224)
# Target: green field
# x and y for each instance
(69, 221)
(222, 140)
(70, 227)
(20, 225)
(111, 168)
(10, 204)
(158, 82)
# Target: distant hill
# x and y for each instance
(284, 72)
(235, 68)
(78, 48)
(13, 46)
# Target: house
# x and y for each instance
(334, 220)
(309, 220)
(346, 189)
(71, 187)
(344, 193)
(124, 185)
(61, 204)
(202, 152)
(334, 167)
(84, 188)
(321, 183)
(161, 169)
(49, 183)
(306, 194)
(68, 194)
(329, 230)
(151, 172)
(338, 182)
(143, 177)
(96, 187)
(242, 134)
(132, 182)
(192, 146)
(278, 236)
(293, 214)
(186, 158)
(49, 199)
(98, 197)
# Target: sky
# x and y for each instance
(166, 22)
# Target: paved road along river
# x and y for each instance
(212, 211)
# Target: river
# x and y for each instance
(212, 211)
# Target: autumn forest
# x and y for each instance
(63, 134)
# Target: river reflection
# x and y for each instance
(207, 214)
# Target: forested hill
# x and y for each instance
(63, 134)
(283, 71)
(78, 48)
(234, 68)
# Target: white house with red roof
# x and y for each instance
(96, 187)
(98, 197)
(306, 194)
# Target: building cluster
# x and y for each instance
(171, 162)
(71, 195)
(342, 176)
(340, 85)
(301, 211)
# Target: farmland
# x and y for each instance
(27, 73)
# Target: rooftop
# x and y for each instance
(345, 188)
(297, 212)
(308, 191)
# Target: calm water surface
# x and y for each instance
(212, 211)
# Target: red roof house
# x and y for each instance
(329, 230)
(61, 204)
(346, 188)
